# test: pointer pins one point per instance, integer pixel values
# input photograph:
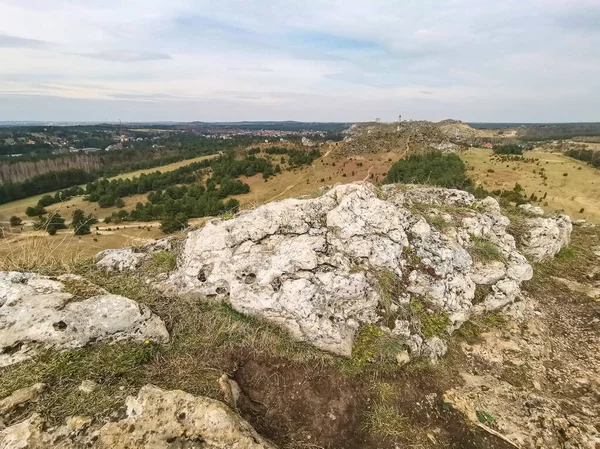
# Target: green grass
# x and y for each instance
(163, 261)
(118, 369)
(483, 251)
(432, 323)
(385, 421)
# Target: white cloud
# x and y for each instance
(318, 59)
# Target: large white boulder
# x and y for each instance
(155, 419)
(544, 237)
(38, 312)
(314, 265)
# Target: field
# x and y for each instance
(571, 185)
(325, 171)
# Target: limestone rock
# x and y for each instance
(20, 397)
(312, 265)
(530, 209)
(129, 259)
(545, 237)
(37, 311)
(126, 259)
(87, 386)
(155, 419)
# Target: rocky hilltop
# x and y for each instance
(409, 266)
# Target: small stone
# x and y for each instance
(87, 386)
(78, 423)
(403, 357)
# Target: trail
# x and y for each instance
(407, 145)
(366, 178)
(287, 189)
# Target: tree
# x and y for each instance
(173, 224)
(443, 170)
(35, 211)
(15, 221)
(81, 223)
(51, 224)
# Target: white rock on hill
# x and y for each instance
(544, 237)
(38, 312)
(155, 419)
(130, 259)
(314, 265)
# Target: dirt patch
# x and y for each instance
(297, 405)
(303, 406)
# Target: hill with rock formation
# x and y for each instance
(364, 316)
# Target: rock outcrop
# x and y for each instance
(544, 236)
(155, 419)
(130, 259)
(315, 266)
(39, 312)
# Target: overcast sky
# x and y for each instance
(329, 60)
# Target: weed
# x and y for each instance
(229, 215)
(163, 261)
(385, 421)
(484, 417)
(437, 221)
(80, 288)
(390, 288)
(483, 251)
(434, 324)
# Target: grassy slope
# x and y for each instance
(579, 189)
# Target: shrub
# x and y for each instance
(173, 224)
(15, 221)
(444, 170)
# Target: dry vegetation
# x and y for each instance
(570, 185)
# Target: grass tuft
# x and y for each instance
(385, 421)
(483, 251)
(163, 261)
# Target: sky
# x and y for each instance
(310, 60)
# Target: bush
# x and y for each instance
(15, 221)
(174, 224)
(35, 211)
(443, 170)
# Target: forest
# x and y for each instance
(113, 163)
(589, 156)
(174, 196)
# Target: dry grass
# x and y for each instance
(578, 190)
(40, 253)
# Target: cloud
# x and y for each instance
(8, 41)
(332, 60)
(127, 56)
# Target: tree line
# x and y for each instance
(589, 156)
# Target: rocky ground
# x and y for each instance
(363, 318)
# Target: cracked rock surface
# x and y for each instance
(545, 236)
(155, 419)
(39, 312)
(313, 265)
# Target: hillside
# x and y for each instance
(360, 317)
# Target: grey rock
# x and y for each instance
(37, 312)
(545, 237)
(310, 265)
